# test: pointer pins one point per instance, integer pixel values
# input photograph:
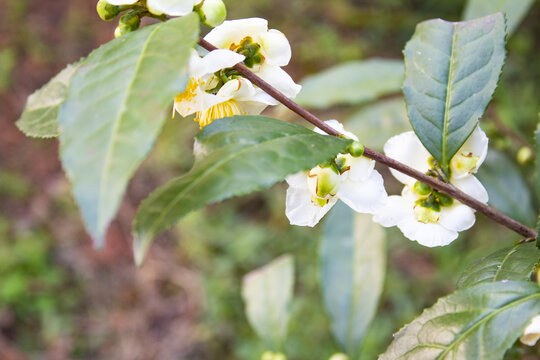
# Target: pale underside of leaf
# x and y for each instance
(234, 156)
(267, 294)
(451, 72)
(353, 251)
(475, 323)
(40, 114)
(114, 110)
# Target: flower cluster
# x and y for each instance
(216, 90)
(421, 213)
(352, 180)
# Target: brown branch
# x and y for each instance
(446, 188)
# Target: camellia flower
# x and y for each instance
(216, 90)
(158, 7)
(424, 214)
(312, 194)
(531, 334)
(265, 50)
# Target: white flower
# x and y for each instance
(272, 46)
(312, 194)
(421, 213)
(215, 90)
(158, 7)
(531, 334)
(212, 98)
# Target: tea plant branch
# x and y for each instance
(446, 188)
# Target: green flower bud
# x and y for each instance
(355, 149)
(421, 189)
(524, 155)
(107, 11)
(131, 20)
(212, 12)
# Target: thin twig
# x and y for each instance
(446, 188)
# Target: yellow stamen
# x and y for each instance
(189, 93)
(218, 111)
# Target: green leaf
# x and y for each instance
(476, 323)
(451, 71)
(114, 110)
(267, 294)
(351, 83)
(514, 263)
(40, 114)
(353, 261)
(508, 191)
(514, 10)
(234, 156)
(376, 123)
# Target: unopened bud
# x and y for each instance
(524, 155)
(107, 11)
(355, 149)
(128, 22)
(212, 12)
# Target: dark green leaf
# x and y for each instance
(40, 114)
(353, 265)
(267, 294)
(475, 323)
(514, 10)
(234, 156)
(376, 123)
(352, 83)
(451, 71)
(114, 110)
(508, 191)
(513, 263)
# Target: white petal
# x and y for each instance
(366, 196)
(240, 89)
(171, 7)
(251, 107)
(301, 211)
(275, 48)
(457, 217)
(336, 125)
(470, 185)
(477, 145)
(121, 2)
(407, 149)
(200, 102)
(531, 334)
(396, 210)
(215, 60)
(264, 98)
(429, 235)
(361, 167)
(234, 31)
(298, 180)
(278, 78)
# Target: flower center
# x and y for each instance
(323, 183)
(218, 111)
(190, 91)
(464, 163)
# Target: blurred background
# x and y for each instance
(62, 299)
